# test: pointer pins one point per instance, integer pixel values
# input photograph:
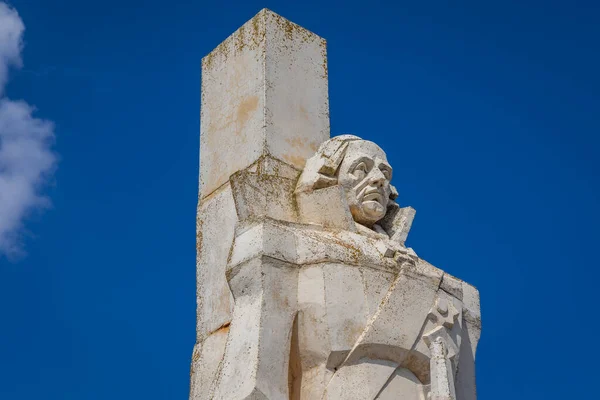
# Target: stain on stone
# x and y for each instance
(297, 161)
(245, 110)
(304, 113)
(222, 329)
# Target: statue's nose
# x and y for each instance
(377, 177)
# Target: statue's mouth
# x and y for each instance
(373, 195)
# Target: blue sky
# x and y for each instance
(489, 113)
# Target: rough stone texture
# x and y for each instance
(216, 226)
(312, 204)
(306, 289)
(264, 91)
(397, 222)
(206, 362)
(363, 379)
(405, 382)
(257, 353)
(465, 380)
(258, 195)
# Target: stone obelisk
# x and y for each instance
(306, 289)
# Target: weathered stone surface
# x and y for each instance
(215, 231)
(452, 286)
(398, 221)
(395, 328)
(256, 359)
(346, 309)
(264, 91)
(446, 311)
(312, 204)
(313, 333)
(260, 195)
(206, 363)
(442, 376)
(306, 289)
(376, 285)
(465, 379)
(362, 379)
(405, 382)
(268, 165)
(307, 245)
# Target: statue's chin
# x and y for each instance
(372, 211)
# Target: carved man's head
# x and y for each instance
(360, 167)
(365, 176)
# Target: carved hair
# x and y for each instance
(321, 170)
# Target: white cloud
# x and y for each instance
(26, 158)
(11, 33)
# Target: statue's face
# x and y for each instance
(365, 175)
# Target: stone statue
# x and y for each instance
(361, 171)
(306, 289)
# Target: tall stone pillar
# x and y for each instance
(306, 288)
(264, 92)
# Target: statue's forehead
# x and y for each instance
(361, 148)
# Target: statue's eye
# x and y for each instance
(386, 173)
(360, 170)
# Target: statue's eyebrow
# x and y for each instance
(385, 165)
(364, 159)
